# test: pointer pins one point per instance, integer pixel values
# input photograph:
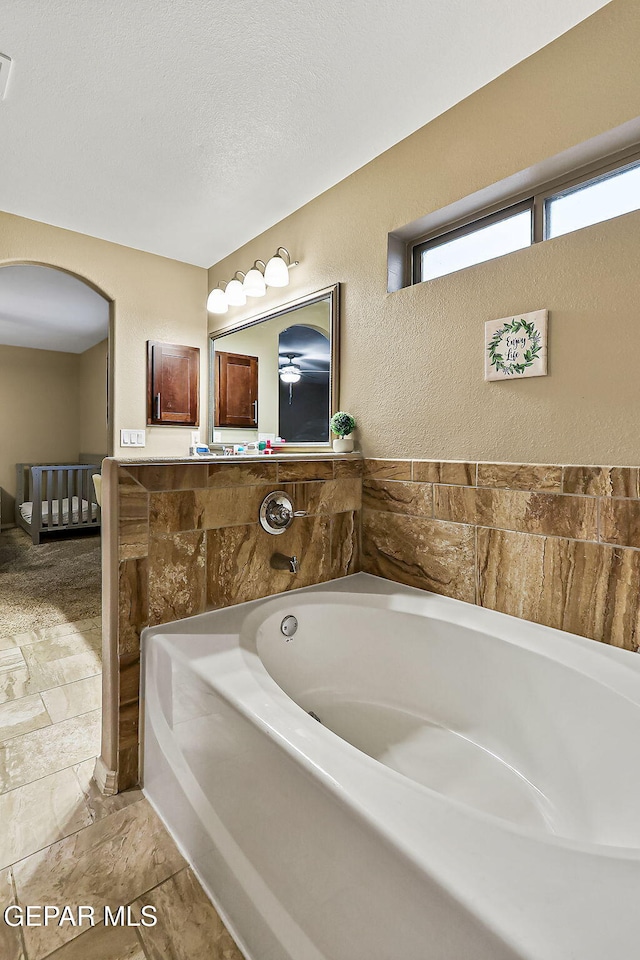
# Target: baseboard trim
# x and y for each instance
(106, 779)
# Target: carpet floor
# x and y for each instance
(57, 581)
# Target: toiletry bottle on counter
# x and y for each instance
(199, 450)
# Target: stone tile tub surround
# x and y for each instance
(559, 545)
(184, 537)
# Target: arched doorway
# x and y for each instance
(304, 358)
(55, 332)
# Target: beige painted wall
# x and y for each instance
(39, 416)
(92, 400)
(153, 299)
(412, 361)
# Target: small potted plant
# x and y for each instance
(342, 424)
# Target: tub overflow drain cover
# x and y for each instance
(289, 626)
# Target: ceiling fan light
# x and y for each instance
(236, 297)
(276, 273)
(290, 373)
(254, 285)
(217, 301)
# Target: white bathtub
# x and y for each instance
(472, 792)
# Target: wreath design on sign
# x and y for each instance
(524, 354)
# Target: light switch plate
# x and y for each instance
(132, 438)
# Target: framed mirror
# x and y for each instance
(275, 376)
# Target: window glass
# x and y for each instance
(485, 243)
(588, 203)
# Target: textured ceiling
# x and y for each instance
(50, 310)
(186, 127)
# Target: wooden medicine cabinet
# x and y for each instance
(173, 384)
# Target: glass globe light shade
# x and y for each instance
(216, 301)
(234, 293)
(254, 285)
(276, 273)
(291, 373)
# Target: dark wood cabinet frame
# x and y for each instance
(234, 406)
(173, 384)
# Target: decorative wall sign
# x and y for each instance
(516, 347)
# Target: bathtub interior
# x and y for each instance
(500, 728)
(285, 892)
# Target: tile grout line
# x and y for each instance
(85, 798)
(57, 636)
(33, 693)
(46, 846)
(69, 683)
(186, 866)
(524, 533)
(30, 733)
(130, 903)
(63, 636)
(143, 945)
(16, 901)
(476, 573)
(74, 833)
(45, 708)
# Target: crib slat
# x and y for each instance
(59, 491)
(80, 493)
(87, 480)
(81, 496)
(34, 486)
(70, 486)
(49, 477)
(85, 494)
(94, 499)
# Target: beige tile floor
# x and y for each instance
(61, 841)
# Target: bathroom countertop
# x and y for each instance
(241, 457)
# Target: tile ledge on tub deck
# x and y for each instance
(238, 458)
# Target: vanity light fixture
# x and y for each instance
(217, 301)
(254, 285)
(291, 371)
(236, 297)
(276, 272)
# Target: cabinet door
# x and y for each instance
(173, 384)
(236, 390)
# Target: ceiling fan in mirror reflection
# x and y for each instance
(290, 373)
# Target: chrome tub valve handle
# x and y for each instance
(277, 513)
